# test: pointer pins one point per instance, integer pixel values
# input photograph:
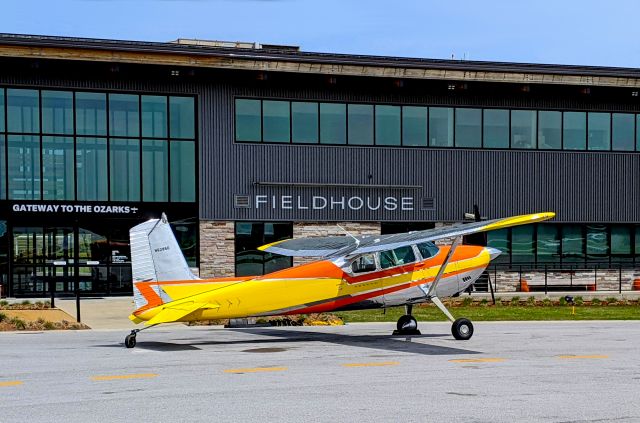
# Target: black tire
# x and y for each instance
(130, 341)
(462, 329)
(407, 323)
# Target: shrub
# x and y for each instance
(18, 323)
(562, 301)
(611, 300)
(3, 317)
(48, 325)
(531, 301)
(515, 301)
(26, 302)
(546, 302)
(466, 301)
(596, 301)
(484, 302)
(578, 300)
(4, 303)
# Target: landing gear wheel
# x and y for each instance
(130, 340)
(462, 329)
(407, 324)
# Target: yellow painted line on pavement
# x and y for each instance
(578, 357)
(375, 364)
(478, 360)
(131, 376)
(11, 383)
(256, 370)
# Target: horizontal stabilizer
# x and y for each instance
(172, 313)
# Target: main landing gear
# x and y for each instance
(130, 340)
(461, 329)
(407, 324)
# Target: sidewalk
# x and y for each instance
(101, 313)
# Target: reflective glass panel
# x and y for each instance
(304, 122)
(333, 123)
(28, 245)
(155, 177)
(623, 125)
(91, 113)
(548, 243)
(637, 243)
(574, 130)
(91, 169)
(251, 235)
(440, 127)
(621, 243)
(549, 130)
(468, 127)
(183, 171)
(387, 125)
(1, 109)
(24, 167)
(3, 171)
(572, 243)
(360, 124)
(275, 121)
(23, 110)
(154, 116)
(597, 243)
(496, 128)
(364, 263)
(182, 117)
(248, 120)
(124, 115)
(275, 232)
(599, 131)
(428, 250)
(186, 234)
(57, 112)
(500, 240)
(124, 164)
(58, 168)
(522, 247)
(414, 126)
(523, 129)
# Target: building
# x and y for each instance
(243, 144)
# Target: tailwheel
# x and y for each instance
(462, 329)
(130, 340)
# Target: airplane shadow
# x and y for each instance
(276, 337)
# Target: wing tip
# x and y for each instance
(265, 246)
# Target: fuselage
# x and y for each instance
(321, 286)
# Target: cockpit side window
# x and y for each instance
(364, 263)
(427, 250)
(397, 257)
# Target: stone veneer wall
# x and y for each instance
(217, 249)
(311, 229)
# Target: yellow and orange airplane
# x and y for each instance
(352, 272)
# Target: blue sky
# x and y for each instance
(586, 32)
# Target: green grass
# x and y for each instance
(489, 313)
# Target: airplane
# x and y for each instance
(350, 273)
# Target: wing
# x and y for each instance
(325, 246)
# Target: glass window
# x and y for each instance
(468, 127)
(621, 243)
(1, 110)
(23, 111)
(124, 165)
(523, 129)
(574, 130)
(623, 131)
(548, 243)
(57, 112)
(572, 243)
(182, 117)
(496, 128)
(154, 116)
(360, 124)
(249, 236)
(91, 169)
(91, 113)
(414, 126)
(499, 239)
(522, 247)
(155, 177)
(597, 243)
(304, 124)
(186, 234)
(388, 125)
(440, 126)
(549, 130)
(387, 259)
(637, 242)
(275, 121)
(3, 175)
(333, 123)
(428, 250)
(58, 168)
(24, 167)
(599, 131)
(397, 257)
(248, 120)
(183, 171)
(363, 264)
(124, 115)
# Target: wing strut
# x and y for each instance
(433, 294)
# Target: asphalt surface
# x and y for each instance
(524, 371)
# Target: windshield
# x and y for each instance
(428, 250)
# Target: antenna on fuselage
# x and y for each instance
(349, 234)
